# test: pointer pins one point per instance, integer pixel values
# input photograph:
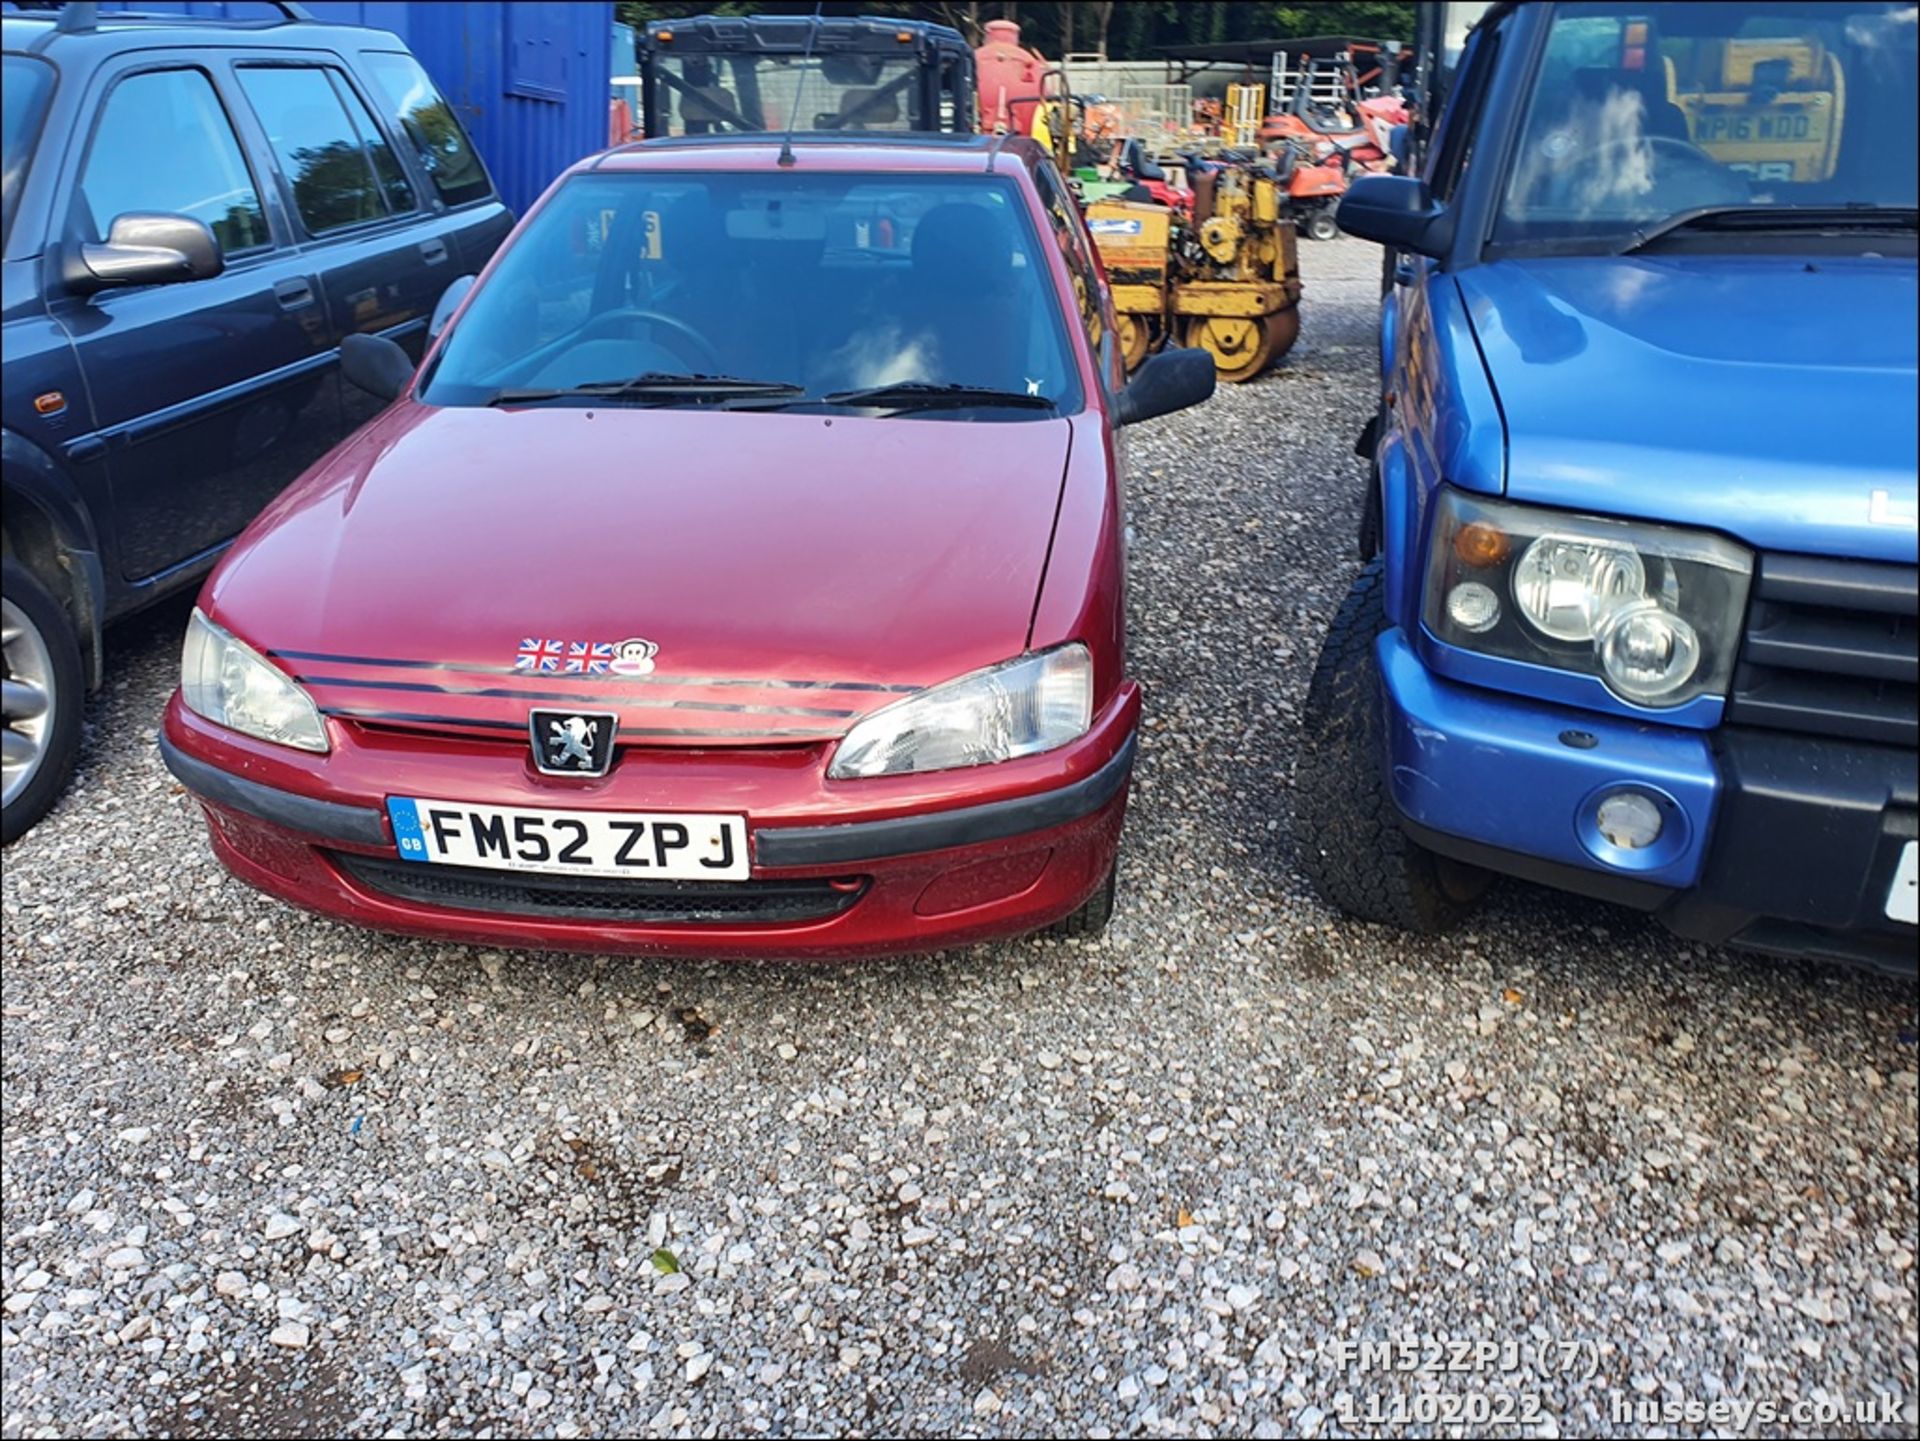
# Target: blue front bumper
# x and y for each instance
(1769, 839)
(1526, 776)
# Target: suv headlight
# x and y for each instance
(1018, 708)
(234, 685)
(1653, 611)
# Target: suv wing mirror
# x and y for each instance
(377, 365)
(145, 247)
(1397, 211)
(449, 302)
(1169, 381)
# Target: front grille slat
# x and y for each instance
(594, 898)
(1830, 649)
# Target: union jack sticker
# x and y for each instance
(541, 655)
(588, 657)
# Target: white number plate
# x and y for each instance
(1903, 900)
(639, 844)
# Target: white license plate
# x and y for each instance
(673, 846)
(1903, 899)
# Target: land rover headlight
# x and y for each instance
(233, 685)
(1018, 708)
(1653, 611)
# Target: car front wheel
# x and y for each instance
(43, 696)
(1351, 843)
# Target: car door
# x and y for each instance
(383, 258)
(209, 396)
(421, 121)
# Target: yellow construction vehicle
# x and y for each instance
(1225, 279)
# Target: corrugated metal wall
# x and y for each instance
(530, 80)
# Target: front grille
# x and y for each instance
(1830, 650)
(593, 898)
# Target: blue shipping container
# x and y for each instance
(530, 81)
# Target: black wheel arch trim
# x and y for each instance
(329, 820)
(30, 477)
(969, 825)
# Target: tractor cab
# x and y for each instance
(728, 75)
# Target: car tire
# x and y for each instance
(1090, 921)
(45, 694)
(1347, 827)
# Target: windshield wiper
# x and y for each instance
(658, 386)
(904, 395)
(1882, 219)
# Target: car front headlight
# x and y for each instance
(1018, 708)
(1653, 611)
(234, 685)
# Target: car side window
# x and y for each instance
(1063, 216)
(1464, 106)
(429, 122)
(341, 168)
(164, 142)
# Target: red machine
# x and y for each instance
(1008, 79)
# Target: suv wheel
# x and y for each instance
(1348, 829)
(42, 699)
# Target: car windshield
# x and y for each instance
(719, 95)
(1643, 113)
(23, 104)
(826, 282)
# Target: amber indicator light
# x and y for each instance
(1480, 546)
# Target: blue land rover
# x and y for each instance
(1637, 617)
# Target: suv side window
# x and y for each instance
(1464, 105)
(426, 119)
(341, 168)
(164, 143)
(1065, 217)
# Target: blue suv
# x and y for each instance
(195, 212)
(1637, 618)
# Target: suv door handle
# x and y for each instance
(434, 250)
(293, 294)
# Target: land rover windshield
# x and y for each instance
(1723, 119)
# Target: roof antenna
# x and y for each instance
(786, 141)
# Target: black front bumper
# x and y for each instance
(1807, 835)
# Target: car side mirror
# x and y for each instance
(449, 302)
(1397, 211)
(377, 365)
(147, 247)
(1169, 381)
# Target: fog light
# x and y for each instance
(1473, 606)
(1629, 820)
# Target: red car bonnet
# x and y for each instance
(793, 571)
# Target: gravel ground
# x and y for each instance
(269, 1174)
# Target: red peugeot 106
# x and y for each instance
(740, 575)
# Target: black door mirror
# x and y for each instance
(1169, 381)
(449, 302)
(375, 364)
(1397, 211)
(146, 247)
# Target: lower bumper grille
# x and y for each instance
(1829, 650)
(591, 898)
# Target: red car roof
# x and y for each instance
(913, 154)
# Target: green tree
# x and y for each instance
(1131, 29)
